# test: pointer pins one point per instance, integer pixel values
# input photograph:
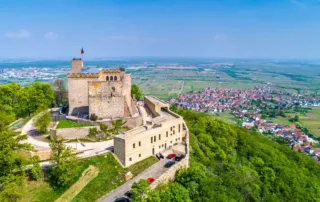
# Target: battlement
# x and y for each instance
(82, 75)
(106, 71)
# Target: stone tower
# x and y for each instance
(76, 65)
(106, 93)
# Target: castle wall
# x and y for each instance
(78, 95)
(106, 99)
(126, 81)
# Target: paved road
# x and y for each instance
(154, 171)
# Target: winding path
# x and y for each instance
(87, 149)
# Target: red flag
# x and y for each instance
(81, 52)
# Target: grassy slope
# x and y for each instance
(70, 124)
(111, 175)
(312, 121)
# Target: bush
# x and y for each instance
(93, 117)
(93, 132)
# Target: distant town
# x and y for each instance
(257, 110)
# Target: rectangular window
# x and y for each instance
(167, 133)
(170, 128)
(139, 143)
(130, 159)
(159, 136)
(139, 155)
(159, 146)
(134, 145)
(155, 138)
(174, 132)
(151, 139)
(179, 128)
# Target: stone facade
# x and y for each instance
(106, 99)
(106, 93)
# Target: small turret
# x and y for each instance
(76, 65)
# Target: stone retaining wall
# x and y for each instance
(131, 122)
(43, 155)
(71, 133)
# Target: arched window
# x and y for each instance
(107, 78)
(111, 78)
(115, 78)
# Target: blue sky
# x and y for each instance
(160, 28)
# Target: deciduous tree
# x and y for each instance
(65, 161)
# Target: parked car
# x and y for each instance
(179, 157)
(150, 180)
(171, 156)
(161, 156)
(158, 156)
(169, 164)
(123, 199)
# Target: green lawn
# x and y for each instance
(111, 175)
(70, 124)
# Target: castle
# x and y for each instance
(107, 94)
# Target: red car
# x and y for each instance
(151, 180)
(171, 156)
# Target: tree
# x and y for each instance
(35, 171)
(12, 165)
(118, 125)
(174, 107)
(65, 161)
(61, 97)
(140, 190)
(42, 121)
(104, 129)
(176, 193)
(136, 92)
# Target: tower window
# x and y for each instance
(111, 78)
(115, 78)
(107, 78)
(134, 145)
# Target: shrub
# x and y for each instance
(92, 132)
(93, 117)
(35, 172)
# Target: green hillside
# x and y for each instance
(230, 164)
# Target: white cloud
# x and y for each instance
(220, 37)
(23, 34)
(51, 35)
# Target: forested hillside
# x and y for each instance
(230, 164)
(17, 101)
